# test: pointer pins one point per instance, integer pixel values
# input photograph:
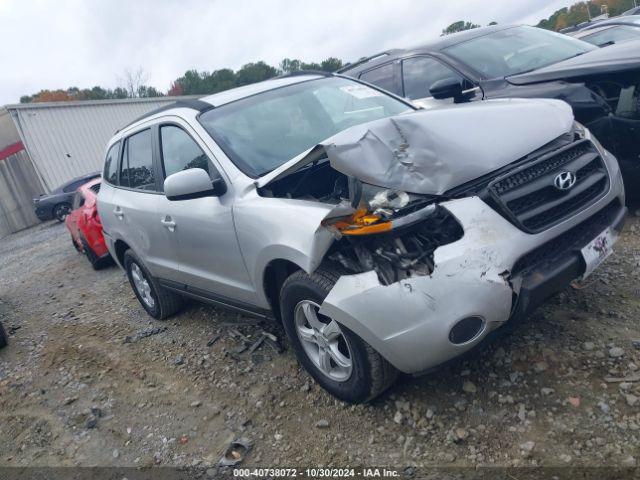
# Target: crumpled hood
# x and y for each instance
(615, 58)
(431, 152)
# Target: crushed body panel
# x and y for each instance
(417, 153)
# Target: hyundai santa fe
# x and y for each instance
(385, 238)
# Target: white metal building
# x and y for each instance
(67, 139)
(43, 145)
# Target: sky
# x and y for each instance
(58, 44)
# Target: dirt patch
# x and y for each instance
(83, 382)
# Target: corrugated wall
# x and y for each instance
(67, 139)
(19, 184)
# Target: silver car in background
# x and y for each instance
(384, 238)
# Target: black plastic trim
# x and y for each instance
(193, 104)
(215, 299)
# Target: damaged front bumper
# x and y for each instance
(493, 273)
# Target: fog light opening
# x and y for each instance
(466, 330)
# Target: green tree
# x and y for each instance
(289, 65)
(331, 64)
(459, 26)
(255, 72)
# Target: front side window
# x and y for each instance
(516, 50)
(261, 132)
(420, 73)
(383, 77)
(137, 162)
(180, 151)
(111, 165)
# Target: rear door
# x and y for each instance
(385, 76)
(210, 260)
(134, 206)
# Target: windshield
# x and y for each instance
(261, 132)
(516, 50)
(612, 35)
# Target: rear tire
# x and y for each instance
(159, 302)
(4, 338)
(370, 374)
(61, 211)
(94, 260)
(76, 246)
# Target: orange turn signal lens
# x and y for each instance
(362, 223)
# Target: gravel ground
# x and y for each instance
(89, 379)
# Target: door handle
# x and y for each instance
(168, 223)
(118, 212)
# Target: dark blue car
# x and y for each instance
(58, 203)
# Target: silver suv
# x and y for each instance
(384, 238)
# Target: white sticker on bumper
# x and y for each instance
(598, 250)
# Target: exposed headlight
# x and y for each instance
(384, 211)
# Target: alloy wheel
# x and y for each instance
(142, 286)
(323, 341)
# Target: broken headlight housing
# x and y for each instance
(379, 210)
(583, 133)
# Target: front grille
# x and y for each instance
(95, 188)
(529, 198)
(571, 240)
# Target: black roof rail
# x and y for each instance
(191, 103)
(349, 66)
(298, 73)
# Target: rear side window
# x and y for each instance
(420, 73)
(180, 151)
(137, 162)
(383, 77)
(111, 165)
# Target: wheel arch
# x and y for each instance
(273, 277)
(120, 246)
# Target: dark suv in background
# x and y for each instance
(58, 203)
(601, 85)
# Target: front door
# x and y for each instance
(209, 254)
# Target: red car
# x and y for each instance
(84, 224)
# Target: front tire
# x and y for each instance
(61, 211)
(340, 361)
(159, 302)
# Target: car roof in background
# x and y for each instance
(621, 20)
(433, 46)
(584, 33)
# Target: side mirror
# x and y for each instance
(193, 183)
(446, 88)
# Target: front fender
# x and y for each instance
(275, 228)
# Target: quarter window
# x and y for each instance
(420, 73)
(111, 165)
(383, 77)
(180, 151)
(137, 162)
